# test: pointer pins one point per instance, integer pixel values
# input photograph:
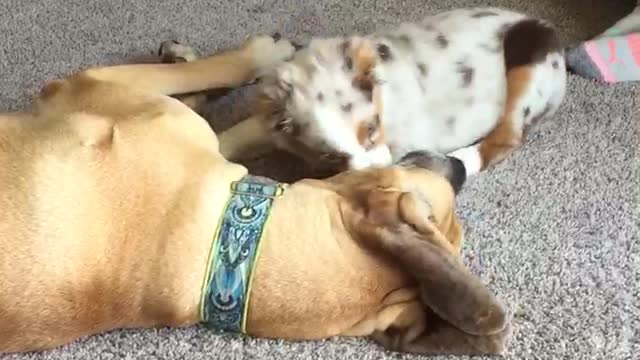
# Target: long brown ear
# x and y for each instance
(446, 286)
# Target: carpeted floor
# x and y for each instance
(554, 229)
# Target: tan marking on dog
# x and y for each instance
(362, 131)
(364, 58)
(503, 139)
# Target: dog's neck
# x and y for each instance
(191, 228)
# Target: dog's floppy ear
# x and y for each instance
(388, 223)
(446, 286)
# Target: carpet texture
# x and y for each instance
(553, 229)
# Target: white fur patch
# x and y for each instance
(470, 157)
(545, 92)
(377, 157)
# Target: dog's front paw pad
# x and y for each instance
(173, 52)
(268, 51)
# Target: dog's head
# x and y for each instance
(328, 106)
(407, 214)
(419, 188)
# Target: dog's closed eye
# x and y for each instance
(334, 157)
(287, 126)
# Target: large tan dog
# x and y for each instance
(111, 190)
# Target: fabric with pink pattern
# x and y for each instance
(613, 56)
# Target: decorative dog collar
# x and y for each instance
(234, 252)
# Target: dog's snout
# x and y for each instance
(458, 173)
(450, 167)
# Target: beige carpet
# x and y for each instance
(554, 230)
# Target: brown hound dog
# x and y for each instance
(112, 190)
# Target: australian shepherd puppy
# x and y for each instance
(466, 83)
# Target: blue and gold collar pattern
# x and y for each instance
(234, 253)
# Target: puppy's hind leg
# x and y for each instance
(536, 83)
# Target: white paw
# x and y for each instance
(379, 156)
(358, 162)
(470, 157)
(267, 52)
(173, 52)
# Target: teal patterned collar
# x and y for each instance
(234, 253)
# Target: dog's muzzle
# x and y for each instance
(450, 167)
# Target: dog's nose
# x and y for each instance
(451, 168)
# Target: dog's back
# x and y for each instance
(93, 185)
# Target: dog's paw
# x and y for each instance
(268, 51)
(172, 52)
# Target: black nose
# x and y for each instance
(451, 168)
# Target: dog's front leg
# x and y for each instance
(250, 137)
(223, 70)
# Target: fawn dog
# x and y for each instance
(119, 211)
